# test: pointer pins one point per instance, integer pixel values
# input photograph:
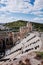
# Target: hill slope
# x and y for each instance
(19, 23)
(38, 26)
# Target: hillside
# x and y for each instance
(14, 24)
(38, 26)
(19, 23)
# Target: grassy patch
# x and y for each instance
(39, 55)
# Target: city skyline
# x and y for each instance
(13, 10)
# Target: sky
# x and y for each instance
(13, 10)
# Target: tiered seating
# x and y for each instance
(30, 43)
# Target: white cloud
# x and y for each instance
(38, 4)
(17, 6)
(38, 13)
(6, 19)
(37, 19)
(21, 6)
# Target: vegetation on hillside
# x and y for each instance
(39, 55)
(17, 24)
(38, 26)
